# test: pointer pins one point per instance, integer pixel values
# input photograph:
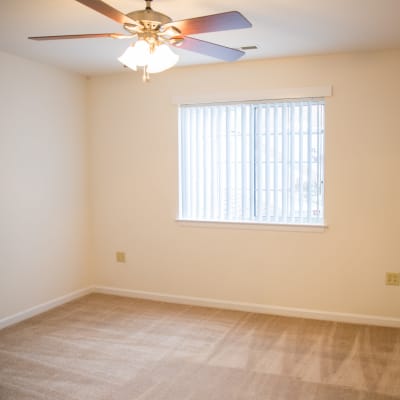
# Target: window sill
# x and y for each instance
(252, 225)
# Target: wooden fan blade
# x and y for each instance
(83, 36)
(209, 49)
(212, 23)
(108, 11)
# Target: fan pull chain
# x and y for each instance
(146, 75)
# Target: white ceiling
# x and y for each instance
(280, 28)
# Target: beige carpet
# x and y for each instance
(107, 347)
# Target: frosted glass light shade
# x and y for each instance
(142, 53)
(161, 59)
(128, 58)
(136, 56)
(139, 55)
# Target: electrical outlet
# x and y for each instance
(392, 279)
(120, 256)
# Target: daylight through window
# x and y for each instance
(252, 162)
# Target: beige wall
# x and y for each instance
(44, 238)
(43, 183)
(133, 128)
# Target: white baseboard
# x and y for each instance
(204, 302)
(253, 307)
(40, 308)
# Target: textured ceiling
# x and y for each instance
(280, 28)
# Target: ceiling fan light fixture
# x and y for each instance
(153, 57)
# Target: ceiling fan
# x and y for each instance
(155, 32)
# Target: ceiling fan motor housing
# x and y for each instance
(149, 18)
(153, 26)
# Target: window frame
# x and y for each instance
(298, 94)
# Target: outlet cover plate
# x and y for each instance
(392, 278)
(120, 256)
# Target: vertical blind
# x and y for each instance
(252, 162)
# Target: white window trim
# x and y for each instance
(255, 95)
(187, 223)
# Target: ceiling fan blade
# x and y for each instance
(212, 23)
(83, 36)
(108, 11)
(209, 49)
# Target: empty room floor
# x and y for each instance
(108, 347)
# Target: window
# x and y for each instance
(252, 162)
